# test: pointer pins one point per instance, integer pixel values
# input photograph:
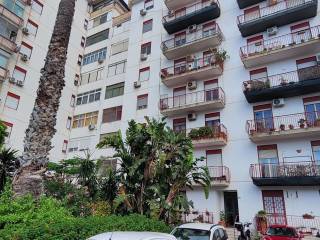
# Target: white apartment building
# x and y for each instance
(255, 117)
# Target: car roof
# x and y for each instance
(280, 226)
(199, 226)
(133, 236)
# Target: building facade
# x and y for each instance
(240, 77)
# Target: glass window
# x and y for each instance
(32, 27)
(179, 125)
(147, 26)
(37, 6)
(19, 74)
(142, 102)
(120, 47)
(114, 90)
(264, 120)
(148, 4)
(84, 120)
(316, 151)
(95, 56)
(146, 48)
(64, 146)
(214, 158)
(112, 114)
(88, 97)
(4, 58)
(12, 101)
(98, 37)
(102, 19)
(144, 74)
(26, 49)
(312, 112)
(79, 144)
(14, 6)
(91, 76)
(117, 68)
(68, 124)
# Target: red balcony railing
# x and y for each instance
(212, 132)
(281, 42)
(189, 66)
(189, 38)
(219, 174)
(284, 123)
(287, 170)
(192, 9)
(204, 96)
(195, 216)
(11, 15)
(283, 79)
(8, 44)
(281, 6)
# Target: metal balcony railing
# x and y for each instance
(196, 216)
(284, 123)
(212, 132)
(219, 174)
(280, 6)
(190, 38)
(281, 42)
(193, 9)
(189, 66)
(7, 43)
(204, 96)
(283, 79)
(11, 15)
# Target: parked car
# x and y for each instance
(282, 232)
(200, 231)
(133, 236)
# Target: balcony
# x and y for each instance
(204, 137)
(11, 16)
(246, 3)
(300, 125)
(195, 41)
(196, 217)
(202, 68)
(284, 85)
(195, 14)
(7, 44)
(286, 174)
(220, 176)
(280, 14)
(212, 99)
(3, 74)
(283, 47)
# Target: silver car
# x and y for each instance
(132, 236)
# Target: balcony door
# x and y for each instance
(4, 58)
(212, 120)
(180, 39)
(251, 13)
(180, 66)
(179, 96)
(274, 205)
(208, 29)
(208, 58)
(312, 111)
(263, 118)
(211, 90)
(268, 160)
(179, 125)
(301, 33)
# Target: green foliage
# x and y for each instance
(202, 132)
(3, 134)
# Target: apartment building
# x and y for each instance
(254, 115)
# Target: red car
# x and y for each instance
(282, 232)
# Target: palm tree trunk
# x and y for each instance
(41, 129)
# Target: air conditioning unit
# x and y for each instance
(20, 83)
(25, 31)
(92, 127)
(192, 28)
(24, 57)
(272, 31)
(100, 60)
(144, 57)
(12, 80)
(143, 12)
(279, 102)
(192, 116)
(137, 84)
(192, 85)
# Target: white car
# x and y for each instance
(133, 236)
(200, 231)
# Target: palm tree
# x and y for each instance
(41, 129)
(8, 165)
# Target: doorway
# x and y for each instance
(231, 208)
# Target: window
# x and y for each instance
(179, 96)
(147, 26)
(268, 154)
(73, 100)
(180, 39)
(84, 120)
(26, 49)
(146, 48)
(64, 146)
(260, 73)
(117, 68)
(85, 24)
(179, 125)
(79, 144)
(114, 90)
(98, 37)
(89, 97)
(316, 151)
(14, 6)
(9, 128)
(212, 119)
(119, 47)
(83, 41)
(4, 58)
(251, 13)
(274, 206)
(91, 76)
(112, 114)
(103, 136)
(180, 66)
(32, 27)
(37, 6)
(68, 124)
(95, 56)
(12, 101)
(312, 109)
(214, 157)
(148, 4)
(144, 74)
(211, 90)
(142, 102)
(19, 74)
(306, 63)
(263, 117)
(102, 19)
(80, 59)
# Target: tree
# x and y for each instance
(156, 165)
(41, 129)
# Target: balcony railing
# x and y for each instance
(3, 73)
(11, 16)
(270, 10)
(191, 38)
(282, 42)
(195, 216)
(210, 133)
(8, 44)
(193, 9)
(284, 123)
(204, 96)
(190, 66)
(219, 174)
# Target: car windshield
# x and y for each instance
(281, 231)
(191, 234)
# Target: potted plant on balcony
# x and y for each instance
(282, 127)
(220, 56)
(302, 123)
(283, 81)
(222, 217)
(307, 216)
(261, 221)
(194, 134)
